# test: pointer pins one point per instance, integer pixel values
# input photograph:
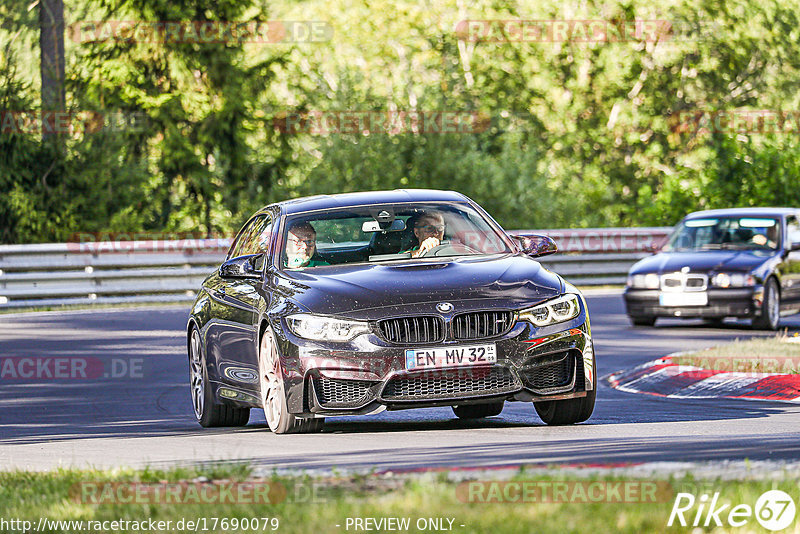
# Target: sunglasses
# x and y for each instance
(432, 228)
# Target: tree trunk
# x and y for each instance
(51, 43)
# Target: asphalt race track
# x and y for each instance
(134, 407)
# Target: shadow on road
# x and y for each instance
(595, 451)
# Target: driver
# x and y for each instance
(429, 231)
(301, 246)
(767, 237)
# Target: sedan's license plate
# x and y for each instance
(456, 356)
(699, 298)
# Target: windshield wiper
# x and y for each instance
(743, 246)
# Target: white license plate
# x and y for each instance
(456, 356)
(699, 298)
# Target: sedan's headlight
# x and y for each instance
(555, 311)
(644, 281)
(733, 280)
(321, 328)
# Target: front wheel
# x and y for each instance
(273, 395)
(771, 308)
(477, 411)
(207, 412)
(567, 412)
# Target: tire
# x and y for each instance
(207, 411)
(770, 317)
(643, 320)
(477, 411)
(273, 394)
(567, 412)
(570, 411)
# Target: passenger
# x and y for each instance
(429, 231)
(301, 246)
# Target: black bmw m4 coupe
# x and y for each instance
(351, 304)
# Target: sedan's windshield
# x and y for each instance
(715, 233)
(385, 233)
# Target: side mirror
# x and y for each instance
(536, 245)
(242, 267)
(795, 246)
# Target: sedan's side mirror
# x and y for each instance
(795, 246)
(536, 245)
(242, 267)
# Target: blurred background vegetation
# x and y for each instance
(580, 134)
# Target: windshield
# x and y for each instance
(386, 233)
(740, 233)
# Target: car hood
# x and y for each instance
(378, 290)
(703, 261)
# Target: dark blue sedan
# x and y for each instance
(741, 263)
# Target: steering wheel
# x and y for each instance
(448, 248)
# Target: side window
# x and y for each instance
(259, 239)
(244, 238)
(792, 231)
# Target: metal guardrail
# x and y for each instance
(114, 272)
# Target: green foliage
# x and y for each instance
(579, 133)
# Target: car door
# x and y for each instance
(232, 339)
(790, 268)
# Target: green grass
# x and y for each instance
(317, 505)
(758, 355)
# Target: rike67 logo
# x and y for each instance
(774, 510)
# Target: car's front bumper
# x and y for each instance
(730, 302)
(369, 374)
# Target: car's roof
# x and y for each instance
(751, 212)
(343, 200)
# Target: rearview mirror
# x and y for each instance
(397, 225)
(242, 267)
(536, 245)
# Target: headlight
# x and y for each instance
(733, 280)
(557, 310)
(325, 328)
(644, 281)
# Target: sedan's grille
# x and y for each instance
(422, 329)
(479, 325)
(432, 385)
(684, 282)
(551, 375)
(340, 393)
(695, 281)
